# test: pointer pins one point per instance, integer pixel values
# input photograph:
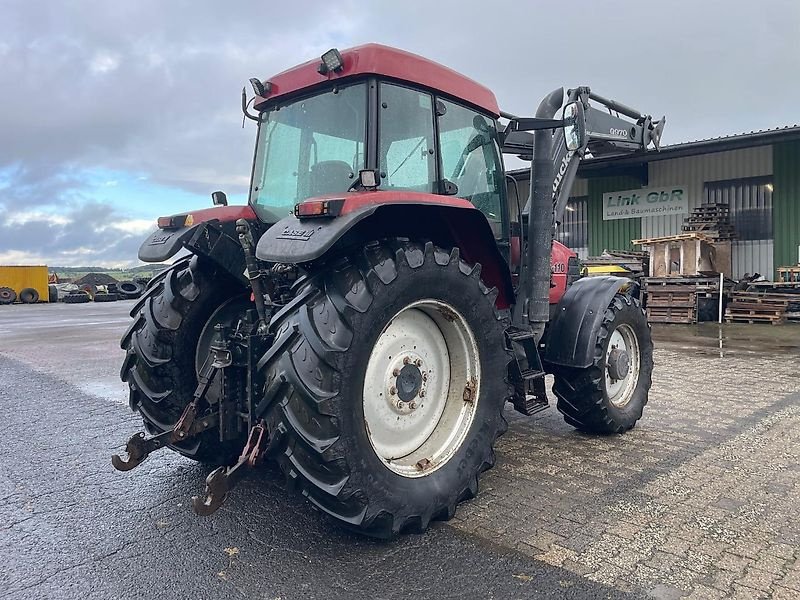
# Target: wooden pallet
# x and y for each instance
(696, 235)
(677, 284)
(671, 314)
(672, 298)
(757, 307)
(779, 320)
(759, 301)
(789, 274)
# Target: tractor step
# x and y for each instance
(529, 374)
(531, 405)
(530, 396)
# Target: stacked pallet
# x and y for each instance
(761, 307)
(676, 299)
(711, 219)
(623, 263)
(789, 274)
(788, 292)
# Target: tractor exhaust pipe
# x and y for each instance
(536, 275)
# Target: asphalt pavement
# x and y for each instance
(73, 527)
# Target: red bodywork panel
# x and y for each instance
(559, 266)
(358, 200)
(382, 61)
(222, 213)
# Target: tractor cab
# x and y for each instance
(315, 142)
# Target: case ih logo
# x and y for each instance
(289, 233)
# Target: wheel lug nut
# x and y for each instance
(406, 360)
(424, 377)
(396, 372)
(422, 393)
(418, 362)
(413, 405)
(393, 390)
(401, 405)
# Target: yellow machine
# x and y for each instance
(19, 278)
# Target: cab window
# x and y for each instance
(471, 160)
(406, 154)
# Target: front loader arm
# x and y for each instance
(614, 130)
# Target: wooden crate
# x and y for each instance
(687, 254)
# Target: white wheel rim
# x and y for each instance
(417, 419)
(620, 391)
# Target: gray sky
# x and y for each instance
(114, 113)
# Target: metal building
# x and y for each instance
(757, 174)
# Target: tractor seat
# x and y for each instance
(330, 177)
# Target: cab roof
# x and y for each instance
(383, 61)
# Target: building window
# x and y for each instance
(573, 231)
(750, 202)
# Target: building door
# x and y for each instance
(750, 202)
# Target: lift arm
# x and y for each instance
(617, 130)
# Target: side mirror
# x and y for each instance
(219, 199)
(574, 126)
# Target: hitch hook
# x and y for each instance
(138, 448)
(223, 479)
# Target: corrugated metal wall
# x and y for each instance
(786, 203)
(615, 234)
(750, 201)
(693, 172)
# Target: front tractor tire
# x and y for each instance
(163, 345)
(387, 385)
(610, 395)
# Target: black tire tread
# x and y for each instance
(77, 298)
(7, 295)
(28, 296)
(580, 391)
(302, 384)
(160, 345)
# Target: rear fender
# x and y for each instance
(297, 241)
(163, 244)
(573, 329)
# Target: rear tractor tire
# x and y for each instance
(610, 395)
(387, 385)
(29, 296)
(105, 297)
(7, 295)
(129, 290)
(79, 297)
(164, 351)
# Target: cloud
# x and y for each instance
(92, 233)
(151, 88)
(104, 62)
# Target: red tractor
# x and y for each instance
(366, 317)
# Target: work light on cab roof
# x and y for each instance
(365, 317)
